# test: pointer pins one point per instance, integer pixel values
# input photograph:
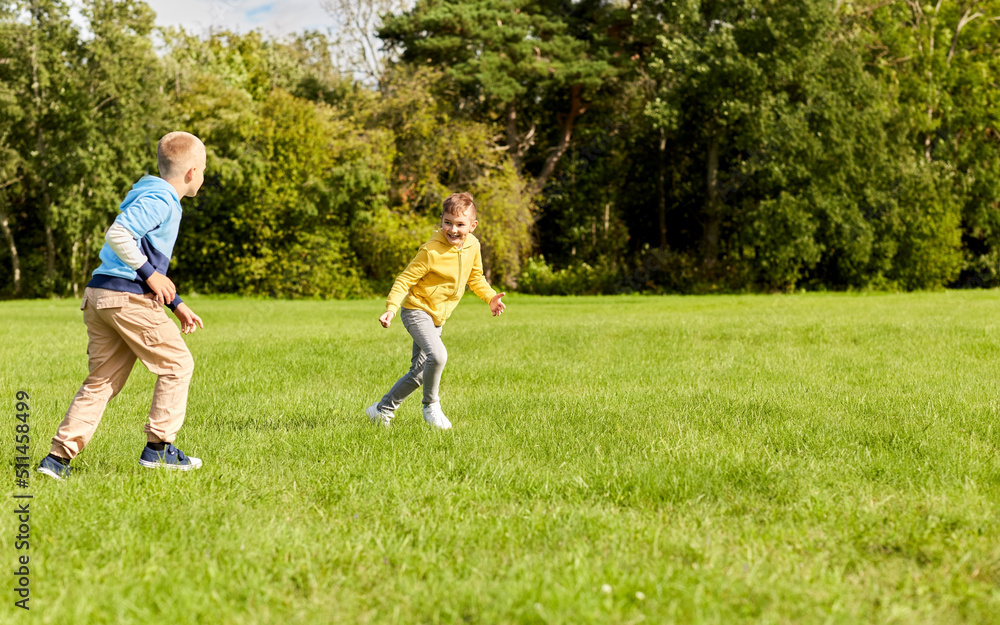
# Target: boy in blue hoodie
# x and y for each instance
(123, 310)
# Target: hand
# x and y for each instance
(497, 306)
(162, 287)
(189, 321)
(386, 318)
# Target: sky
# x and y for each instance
(275, 17)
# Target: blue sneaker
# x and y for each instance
(53, 468)
(170, 458)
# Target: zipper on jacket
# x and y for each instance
(458, 280)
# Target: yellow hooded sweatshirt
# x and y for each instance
(435, 279)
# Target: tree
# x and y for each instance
(800, 180)
(43, 73)
(88, 110)
(358, 22)
(286, 175)
(438, 153)
(532, 66)
(941, 60)
(125, 115)
(10, 159)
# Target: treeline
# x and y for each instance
(612, 146)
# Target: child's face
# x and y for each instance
(457, 227)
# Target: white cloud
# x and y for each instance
(274, 17)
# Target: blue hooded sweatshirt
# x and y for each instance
(152, 213)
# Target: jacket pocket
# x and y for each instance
(433, 297)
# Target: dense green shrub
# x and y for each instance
(539, 278)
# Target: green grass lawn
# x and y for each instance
(760, 459)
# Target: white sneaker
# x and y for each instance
(434, 416)
(378, 417)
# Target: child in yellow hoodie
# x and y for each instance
(428, 290)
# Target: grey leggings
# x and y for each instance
(427, 364)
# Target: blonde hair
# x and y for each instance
(458, 204)
(176, 153)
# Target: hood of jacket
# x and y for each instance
(150, 185)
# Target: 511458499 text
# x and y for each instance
(22, 509)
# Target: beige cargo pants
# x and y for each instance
(123, 327)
